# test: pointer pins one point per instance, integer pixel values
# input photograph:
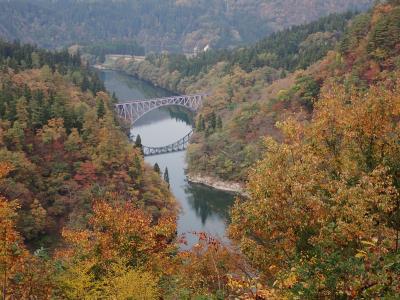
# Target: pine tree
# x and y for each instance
(22, 112)
(200, 124)
(219, 122)
(101, 110)
(156, 168)
(166, 176)
(213, 121)
(85, 84)
(138, 143)
(37, 108)
(27, 93)
(114, 98)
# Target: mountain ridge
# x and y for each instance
(195, 23)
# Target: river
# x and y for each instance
(202, 209)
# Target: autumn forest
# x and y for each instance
(304, 116)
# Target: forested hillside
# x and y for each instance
(159, 25)
(66, 171)
(246, 88)
(314, 131)
(322, 217)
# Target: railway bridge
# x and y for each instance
(132, 111)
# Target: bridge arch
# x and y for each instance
(134, 110)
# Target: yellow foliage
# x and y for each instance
(122, 283)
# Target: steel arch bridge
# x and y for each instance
(134, 110)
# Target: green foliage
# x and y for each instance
(101, 49)
(156, 168)
(166, 176)
(64, 144)
(358, 29)
(290, 49)
(385, 35)
(158, 25)
(307, 89)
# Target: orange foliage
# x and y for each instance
(121, 231)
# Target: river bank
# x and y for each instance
(218, 184)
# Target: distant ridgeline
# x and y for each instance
(169, 25)
(290, 49)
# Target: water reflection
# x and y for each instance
(207, 202)
(176, 113)
(129, 87)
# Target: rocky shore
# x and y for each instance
(233, 187)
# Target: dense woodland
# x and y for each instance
(96, 52)
(321, 219)
(67, 168)
(232, 123)
(177, 26)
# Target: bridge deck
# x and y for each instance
(135, 109)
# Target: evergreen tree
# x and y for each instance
(156, 168)
(137, 168)
(101, 110)
(166, 176)
(22, 112)
(85, 84)
(213, 121)
(114, 98)
(200, 124)
(138, 143)
(37, 109)
(219, 122)
(27, 93)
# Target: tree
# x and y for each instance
(219, 122)
(156, 168)
(138, 143)
(166, 176)
(85, 84)
(122, 241)
(200, 124)
(101, 110)
(22, 112)
(336, 182)
(18, 269)
(212, 121)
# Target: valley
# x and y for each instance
(284, 182)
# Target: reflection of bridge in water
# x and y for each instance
(174, 147)
(134, 110)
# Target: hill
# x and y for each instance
(322, 219)
(159, 25)
(62, 144)
(246, 87)
(319, 148)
